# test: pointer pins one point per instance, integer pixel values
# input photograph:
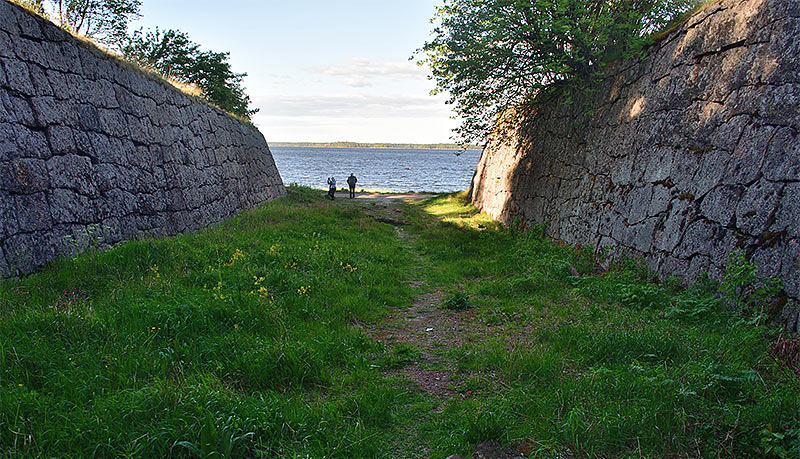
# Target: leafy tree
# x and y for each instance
(104, 20)
(493, 54)
(175, 56)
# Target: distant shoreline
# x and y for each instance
(409, 146)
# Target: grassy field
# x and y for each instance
(289, 331)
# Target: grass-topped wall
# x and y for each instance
(684, 157)
(94, 151)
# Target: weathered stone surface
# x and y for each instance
(8, 220)
(88, 141)
(687, 155)
(37, 212)
(19, 110)
(31, 143)
(62, 140)
(788, 217)
(757, 207)
(73, 172)
(18, 76)
(49, 111)
(67, 206)
(24, 176)
(29, 26)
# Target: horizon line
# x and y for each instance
(373, 144)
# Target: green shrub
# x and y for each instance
(456, 301)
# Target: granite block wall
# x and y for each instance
(95, 151)
(682, 158)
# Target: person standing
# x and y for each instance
(332, 188)
(351, 182)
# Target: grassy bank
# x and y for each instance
(262, 337)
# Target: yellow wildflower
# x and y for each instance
(237, 255)
(217, 292)
(347, 267)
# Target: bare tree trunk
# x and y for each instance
(61, 12)
(83, 16)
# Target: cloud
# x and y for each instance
(275, 76)
(325, 129)
(357, 83)
(356, 106)
(361, 69)
(360, 118)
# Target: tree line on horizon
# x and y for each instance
(410, 146)
(169, 53)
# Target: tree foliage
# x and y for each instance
(103, 20)
(175, 56)
(493, 54)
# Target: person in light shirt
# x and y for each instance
(332, 188)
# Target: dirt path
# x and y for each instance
(428, 328)
(424, 326)
(391, 198)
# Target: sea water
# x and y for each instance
(391, 169)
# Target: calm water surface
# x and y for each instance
(381, 168)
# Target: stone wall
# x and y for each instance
(89, 144)
(682, 158)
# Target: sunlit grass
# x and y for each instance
(455, 208)
(699, 7)
(31, 6)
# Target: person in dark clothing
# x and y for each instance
(351, 182)
(332, 188)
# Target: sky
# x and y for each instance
(321, 70)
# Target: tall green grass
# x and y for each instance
(246, 339)
(599, 365)
(238, 338)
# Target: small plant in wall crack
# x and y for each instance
(748, 292)
(87, 238)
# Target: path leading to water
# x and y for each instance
(382, 198)
(427, 327)
(391, 198)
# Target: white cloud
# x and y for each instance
(361, 68)
(359, 118)
(326, 129)
(357, 83)
(355, 106)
